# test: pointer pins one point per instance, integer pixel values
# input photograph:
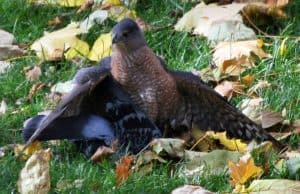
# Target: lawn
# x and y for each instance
(179, 49)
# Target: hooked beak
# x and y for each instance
(115, 38)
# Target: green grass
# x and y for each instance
(180, 50)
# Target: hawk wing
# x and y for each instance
(203, 108)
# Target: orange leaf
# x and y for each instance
(244, 170)
(123, 169)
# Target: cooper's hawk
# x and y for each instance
(122, 98)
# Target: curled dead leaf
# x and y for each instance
(123, 169)
(233, 58)
(34, 177)
(228, 88)
(172, 147)
(34, 73)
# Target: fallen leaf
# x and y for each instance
(52, 45)
(63, 88)
(97, 17)
(118, 13)
(6, 38)
(293, 165)
(274, 186)
(8, 51)
(64, 184)
(71, 3)
(270, 118)
(55, 21)
(30, 150)
(145, 160)
(252, 108)
(147, 157)
(104, 152)
(277, 3)
(231, 144)
(244, 170)
(247, 79)
(34, 73)
(172, 147)
(190, 189)
(101, 47)
(233, 58)
(34, 89)
(34, 177)
(88, 4)
(228, 88)
(4, 66)
(81, 49)
(260, 85)
(217, 23)
(123, 169)
(3, 107)
(199, 162)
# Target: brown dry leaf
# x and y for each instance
(260, 85)
(235, 57)
(262, 14)
(296, 126)
(172, 147)
(87, 5)
(3, 107)
(123, 169)
(252, 108)
(190, 189)
(31, 149)
(146, 158)
(55, 21)
(34, 177)
(244, 170)
(104, 152)
(228, 88)
(34, 89)
(217, 23)
(270, 118)
(278, 3)
(34, 73)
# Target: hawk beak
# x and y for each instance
(115, 38)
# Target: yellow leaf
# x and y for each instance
(52, 45)
(31, 149)
(244, 170)
(118, 13)
(80, 49)
(260, 43)
(247, 79)
(101, 47)
(112, 2)
(34, 177)
(231, 144)
(71, 3)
